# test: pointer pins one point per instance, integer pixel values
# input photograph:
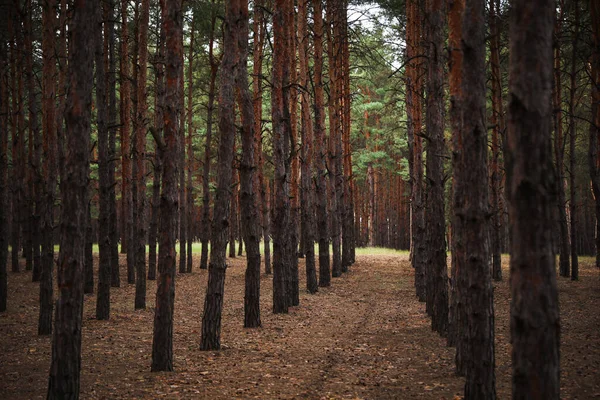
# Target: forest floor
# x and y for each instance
(365, 337)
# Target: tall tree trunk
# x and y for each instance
(214, 67)
(307, 193)
(139, 157)
(321, 156)
(293, 287)
(535, 324)
(471, 214)
(15, 149)
(257, 89)
(126, 187)
(66, 342)
(35, 149)
(4, 232)
(594, 149)
(213, 302)
(190, 150)
(162, 342)
(111, 79)
(157, 167)
(414, 107)
(280, 98)
(182, 191)
(333, 11)
(559, 151)
(348, 234)
(50, 166)
(248, 201)
(104, 249)
(437, 291)
(572, 155)
(497, 123)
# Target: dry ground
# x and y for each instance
(364, 337)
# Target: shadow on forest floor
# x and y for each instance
(366, 336)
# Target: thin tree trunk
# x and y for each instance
(214, 67)
(572, 156)
(158, 128)
(280, 98)
(50, 165)
(213, 302)
(497, 123)
(233, 213)
(4, 232)
(307, 193)
(535, 323)
(111, 78)
(257, 89)
(15, 149)
(250, 226)
(65, 368)
(559, 151)
(190, 150)
(162, 342)
(335, 140)
(321, 156)
(594, 150)
(437, 291)
(139, 157)
(104, 249)
(88, 264)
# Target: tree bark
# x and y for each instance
(594, 149)
(437, 290)
(257, 89)
(535, 324)
(497, 122)
(559, 151)
(321, 156)
(213, 302)
(471, 217)
(4, 232)
(50, 165)
(280, 98)
(214, 67)
(64, 374)
(104, 249)
(190, 150)
(162, 342)
(111, 79)
(572, 150)
(307, 193)
(248, 202)
(140, 160)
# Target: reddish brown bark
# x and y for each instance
(321, 156)
(4, 232)
(190, 150)
(307, 194)
(125, 108)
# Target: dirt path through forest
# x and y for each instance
(364, 337)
